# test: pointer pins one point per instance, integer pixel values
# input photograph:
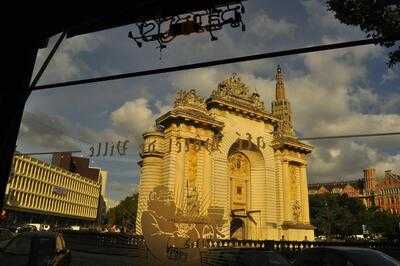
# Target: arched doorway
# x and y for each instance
(237, 229)
(239, 174)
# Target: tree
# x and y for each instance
(377, 18)
(124, 214)
(379, 221)
(335, 214)
(101, 211)
(339, 215)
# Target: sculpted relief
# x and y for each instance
(239, 166)
(296, 207)
(239, 172)
(193, 206)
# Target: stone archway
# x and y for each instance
(239, 175)
(237, 230)
(246, 173)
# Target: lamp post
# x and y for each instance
(328, 217)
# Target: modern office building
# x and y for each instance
(41, 192)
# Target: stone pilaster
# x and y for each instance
(286, 188)
(304, 194)
(149, 179)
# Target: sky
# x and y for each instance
(346, 91)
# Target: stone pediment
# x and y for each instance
(188, 106)
(235, 92)
(189, 99)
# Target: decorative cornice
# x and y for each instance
(151, 154)
(292, 225)
(290, 143)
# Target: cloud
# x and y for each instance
(66, 63)
(331, 99)
(203, 80)
(111, 203)
(331, 160)
(42, 132)
(48, 132)
(321, 21)
(262, 25)
(120, 190)
(390, 75)
(135, 117)
(391, 104)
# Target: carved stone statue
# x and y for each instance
(189, 99)
(233, 86)
(296, 211)
(235, 90)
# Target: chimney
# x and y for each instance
(369, 173)
(369, 178)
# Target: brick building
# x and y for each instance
(383, 192)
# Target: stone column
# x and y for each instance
(151, 172)
(149, 179)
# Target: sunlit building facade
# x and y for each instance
(38, 191)
(228, 157)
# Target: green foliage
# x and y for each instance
(381, 221)
(335, 214)
(124, 214)
(339, 215)
(377, 18)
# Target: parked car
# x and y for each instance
(243, 257)
(39, 227)
(36, 248)
(5, 234)
(320, 238)
(344, 256)
(26, 228)
(13, 228)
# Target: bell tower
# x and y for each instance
(281, 107)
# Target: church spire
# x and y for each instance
(280, 86)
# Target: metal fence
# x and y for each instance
(105, 243)
(133, 245)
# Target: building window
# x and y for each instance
(239, 190)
